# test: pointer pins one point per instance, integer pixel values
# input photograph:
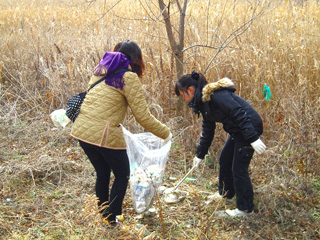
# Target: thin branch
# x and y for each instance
(162, 10)
(198, 45)
(181, 25)
(221, 20)
(208, 8)
(168, 25)
(146, 11)
(236, 33)
(104, 14)
(179, 7)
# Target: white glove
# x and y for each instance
(258, 146)
(197, 161)
(168, 138)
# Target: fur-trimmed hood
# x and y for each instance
(208, 90)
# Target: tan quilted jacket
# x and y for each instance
(104, 108)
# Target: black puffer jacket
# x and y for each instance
(218, 103)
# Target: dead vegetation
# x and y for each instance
(46, 182)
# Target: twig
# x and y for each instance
(34, 183)
(160, 210)
(198, 45)
(198, 205)
(107, 11)
(233, 35)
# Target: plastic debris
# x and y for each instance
(266, 93)
(175, 196)
(148, 156)
(59, 118)
(190, 179)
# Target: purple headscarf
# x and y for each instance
(110, 62)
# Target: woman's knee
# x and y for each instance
(123, 177)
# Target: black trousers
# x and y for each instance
(234, 176)
(104, 161)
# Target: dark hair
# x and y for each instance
(196, 80)
(133, 53)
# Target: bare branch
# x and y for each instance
(179, 7)
(208, 6)
(145, 10)
(107, 11)
(198, 45)
(181, 25)
(236, 33)
(162, 10)
(167, 21)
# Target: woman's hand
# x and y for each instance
(258, 146)
(168, 138)
(197, 161)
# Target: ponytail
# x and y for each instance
(200, 79)
(195, 79)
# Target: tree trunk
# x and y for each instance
(176, 47)
(181, 108)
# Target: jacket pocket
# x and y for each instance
(246, 153)
(105, 135)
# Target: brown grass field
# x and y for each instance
(48, 50)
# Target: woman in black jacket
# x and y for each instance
(218, 103)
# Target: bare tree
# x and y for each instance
(176, 46)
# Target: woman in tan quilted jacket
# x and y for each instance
(98, 125)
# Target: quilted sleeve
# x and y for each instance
(134, 94)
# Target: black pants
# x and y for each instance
(104, 161)
(234, 172)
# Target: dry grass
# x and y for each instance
(48, 50)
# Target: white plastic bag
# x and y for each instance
(59, 118)
(148, 156)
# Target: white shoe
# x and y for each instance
(221, 213)
(217, 197)
(237, 213)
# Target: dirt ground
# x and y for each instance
(47, 192)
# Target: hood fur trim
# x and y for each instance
(208, 90)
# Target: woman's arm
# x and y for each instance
(208, 128)
(134, 94)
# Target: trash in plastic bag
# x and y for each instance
(148, 156)
(59, 118)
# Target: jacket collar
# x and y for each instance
(209, 89)
(195, 102)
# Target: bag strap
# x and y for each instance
(108, 75)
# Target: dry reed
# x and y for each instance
(48, 49)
